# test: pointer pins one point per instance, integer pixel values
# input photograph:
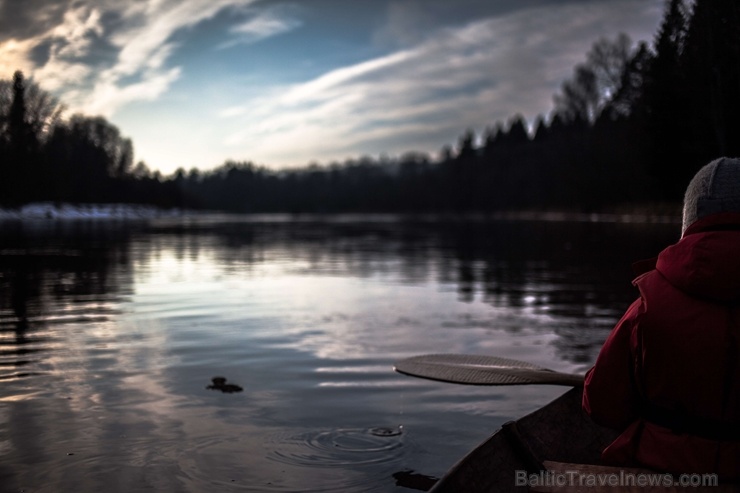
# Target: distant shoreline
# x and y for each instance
(50, 211)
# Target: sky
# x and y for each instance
(286, 83)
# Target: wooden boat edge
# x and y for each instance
(524, 444)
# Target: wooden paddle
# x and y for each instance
(482, 370)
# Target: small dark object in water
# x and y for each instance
(386, 432)
(219, 383)
(413, 480)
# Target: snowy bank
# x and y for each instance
(47, 210)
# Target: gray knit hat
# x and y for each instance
(715, 188)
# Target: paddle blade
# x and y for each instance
(482, 370)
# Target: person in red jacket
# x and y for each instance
(668, 375)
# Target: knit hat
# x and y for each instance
(715, 188)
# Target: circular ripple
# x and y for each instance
(340, 447)
(386, 432)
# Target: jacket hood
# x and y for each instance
(705, 263)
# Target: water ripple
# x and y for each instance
(340, 447)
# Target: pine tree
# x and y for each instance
(22, 147)
(665, 94)
(712, 64)
(22, 137)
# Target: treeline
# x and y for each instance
(82, 159)
(564, 165)
(632, 125)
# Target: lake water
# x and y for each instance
(110, 333)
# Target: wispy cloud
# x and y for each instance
(145, 47)
(427, 86)
(68, 45)
(421, 97)
(263, 25)
(139, 35)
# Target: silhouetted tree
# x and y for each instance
(26, 115)
(20, 132)
(595, 82)
(21, 147)
(462, 171)
(579, 95)
(666, 95)
(632, 124)
(712, 67)
(628, 99)
(88, 155)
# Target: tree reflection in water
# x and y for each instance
(579, 272)
(103, 356)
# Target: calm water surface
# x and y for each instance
(110, 334)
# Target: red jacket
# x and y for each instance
(668, 375)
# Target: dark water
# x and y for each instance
(110, 334)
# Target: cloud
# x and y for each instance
(77, 32)
(136, 37)
(24, 19)
(429, 84)
(108, 95)
(421, 97)
(14, 55)
(262, 26)
(145, 46)
(409, 22)
(68, 45)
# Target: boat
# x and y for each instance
(539, 450)
(559, 432)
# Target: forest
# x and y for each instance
(629, 128)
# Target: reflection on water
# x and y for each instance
(111, 334)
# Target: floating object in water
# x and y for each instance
(386, 432)
(219, 383)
